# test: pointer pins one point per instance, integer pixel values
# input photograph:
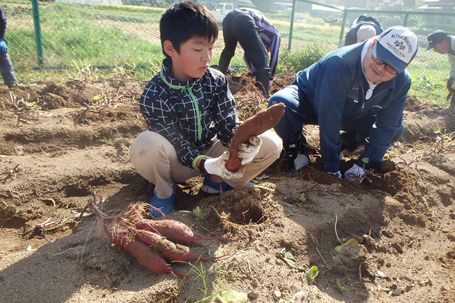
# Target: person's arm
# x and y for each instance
(161, 117)
(334, 77)
(2, 25)
(388, 124)
(452, 64)
(224, 112)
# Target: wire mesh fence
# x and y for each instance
(63, 34)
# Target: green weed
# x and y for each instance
(107, 140)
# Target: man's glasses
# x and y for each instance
(388, 67)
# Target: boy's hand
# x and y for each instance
(247, 151)
(217, 166)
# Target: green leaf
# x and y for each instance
(263, 177)
(317, 295)
(365, 160)
(288, 258)
(311, 274)
(197, 211)
(302, 197)
(342, 289)
(231, 296)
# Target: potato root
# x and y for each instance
(173, 230)
(169, 250)
(143, 254)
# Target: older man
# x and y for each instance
(360, 89)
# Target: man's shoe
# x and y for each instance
(213, 188)
(298, 151)
(349, 141)
(165, 205)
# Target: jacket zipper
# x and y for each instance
(193, 98)
(363, 98)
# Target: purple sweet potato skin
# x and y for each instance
(146, 256)
(169, 250)
(254, 126)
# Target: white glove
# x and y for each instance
(338, 174)
(247, 151)
(354, 173)
(300, 161)
(217, 166)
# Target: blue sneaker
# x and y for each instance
(213, 188)
(165, 205)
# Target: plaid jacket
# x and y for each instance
(190, 114)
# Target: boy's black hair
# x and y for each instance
(185, 20)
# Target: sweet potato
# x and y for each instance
(173, 230)
(144, 255)
(169, 250)
(254, 126)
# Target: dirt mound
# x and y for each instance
(388, 239)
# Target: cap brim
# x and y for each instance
(430, 46)
(385, 55)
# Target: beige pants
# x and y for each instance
(156, 160)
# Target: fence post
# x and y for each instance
(38, 39)
(406, 16)
(292, 24)
(343, 24)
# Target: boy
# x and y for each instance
(191, 115)
(360, 89)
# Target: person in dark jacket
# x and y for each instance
(191, 115)
(6, 67)
(361, 29)
(359, 89)
(257, 36)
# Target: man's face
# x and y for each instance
(374, 71)
(193, 59)
(441, 48)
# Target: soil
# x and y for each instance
(63, 145)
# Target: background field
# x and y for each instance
(48, 39)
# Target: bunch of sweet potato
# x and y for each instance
(153, 243)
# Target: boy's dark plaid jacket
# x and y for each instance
(191, 115)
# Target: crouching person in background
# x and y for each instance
(356, 95)
(191, 115)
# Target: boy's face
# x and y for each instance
(193, 60)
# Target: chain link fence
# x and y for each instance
(64, 34)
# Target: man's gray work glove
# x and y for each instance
(217, 166)
(247, 151)
(355, 173)
(338, 174)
